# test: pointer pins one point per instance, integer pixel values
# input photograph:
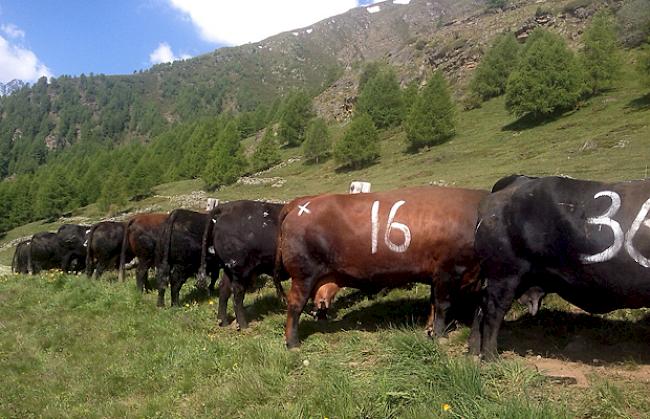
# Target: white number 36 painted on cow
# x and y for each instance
(620, 239)
(390, 225)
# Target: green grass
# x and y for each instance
(72, 347)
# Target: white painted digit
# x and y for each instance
(374, 225)
(606, 220)
(399, 226)
(390, 225)
(640, 218)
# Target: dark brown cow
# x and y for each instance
(140, 237)
(379, 240)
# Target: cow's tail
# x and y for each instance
(90, 256)
(162, 267)
(30, 265)
(14, 267)
(125, 245)
(202, 276)
(279, 273)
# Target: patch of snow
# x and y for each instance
(373, 9)
(295, 33)
(310, 30)
(401, 1)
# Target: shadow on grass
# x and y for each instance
(577, 337)
(530, 121)
(640, 104)
(402, 312)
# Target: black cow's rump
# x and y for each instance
(244, 241)
(19, 263)
(178, 252)
(587, 241)
(103, 247)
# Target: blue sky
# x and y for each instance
(121, 36)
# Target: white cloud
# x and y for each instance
(164, 54)
(12, 30)
(236, 22)
(20, 63)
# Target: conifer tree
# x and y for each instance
(267, 152)
(547, 78)
(600, 55)
(492, 73)
(226, 162)
(53, 195)
(360, 144)
(113, 192)
(381, 99)
(432, 119)
(318, 144)
(295, 116)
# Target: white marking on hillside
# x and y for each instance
(303, 208)
(373, 9)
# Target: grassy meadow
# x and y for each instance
(77, 348)
(70, 347)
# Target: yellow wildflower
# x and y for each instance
(446, 407)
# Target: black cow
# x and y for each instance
(73, 237)
(587, 241)
(178, 252)
(19, 263)
(103, 248)
(46, 251)
(244, 241)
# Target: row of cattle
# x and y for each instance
(587, 241)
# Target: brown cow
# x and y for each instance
(377, 240)
(140, 237)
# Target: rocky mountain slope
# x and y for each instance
(416, 37)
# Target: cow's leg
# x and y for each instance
(161, 297)
(442, 302)
(497, 300)
(177, 277)
(213, 281)
(298, 296)
(239, 292)
(474, 341)
(65, 263)
(224, 295)
(141, 277)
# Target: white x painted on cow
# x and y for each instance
(303, 208)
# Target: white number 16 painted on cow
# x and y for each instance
(390, 225)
